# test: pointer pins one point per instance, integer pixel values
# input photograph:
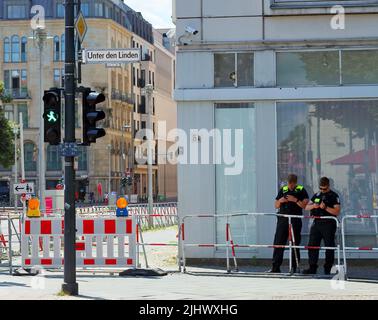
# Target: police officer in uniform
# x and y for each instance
(291, 199)
(325, 203)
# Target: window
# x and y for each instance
(9, 112)
(63, 48)
(60, 10)
(7, 50)
(308, 68)
(24, 82)
(57, 78)
(16, 11)
(56, 48)
(359, 66)
(54, 160)
(23, 108)
(83, 159)
(236, 193)
(30, 153)
(99, 9)
(85, 9)
(15, 49)
(337, 139)
(24, 42)
(233, 70)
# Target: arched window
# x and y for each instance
(54, 161)
(63, 48)
(24, 42)
(15, 48)
(30, 154)
(7, 50)
(56, 48)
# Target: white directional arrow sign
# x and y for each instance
(23, 188)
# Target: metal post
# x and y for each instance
(122, 160)
(70, 286)
(10, 253)
(22, 162)
(15, 131)
(150, 137)
(110, 170)
(41, 38)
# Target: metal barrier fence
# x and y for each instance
(356, 249)
(139, 218)
(231, 244)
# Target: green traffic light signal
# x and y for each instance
(52, 116)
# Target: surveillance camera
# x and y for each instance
(191, 30)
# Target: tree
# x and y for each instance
(6, 134)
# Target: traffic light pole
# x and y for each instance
(70, 285)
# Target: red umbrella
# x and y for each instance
(357, 157)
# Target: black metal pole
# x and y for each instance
(70, 285)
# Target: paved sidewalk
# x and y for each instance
(177, 286)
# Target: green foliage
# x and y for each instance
(6, 136)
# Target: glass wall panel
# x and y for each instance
(237, 193)
(308, 68)
(336, 139)
(360, 66)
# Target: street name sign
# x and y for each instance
(23, 188)
(111, 56)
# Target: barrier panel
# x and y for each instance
(42, 242)
(365, 249)
(139, 218)
(230, 244)
(10, 236)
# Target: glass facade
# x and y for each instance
(339, 140)
(308, 68)
(237, 193)
(327, 68)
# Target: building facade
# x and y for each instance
(111, 24)
(302, 87)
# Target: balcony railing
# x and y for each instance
(18, 93)
(121, 96)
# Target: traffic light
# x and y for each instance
(52, 116)
(91, 116)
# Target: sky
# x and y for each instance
(157, 12)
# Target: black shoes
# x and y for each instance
(310, 271)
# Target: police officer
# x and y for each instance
(291, 199)
(325, 203)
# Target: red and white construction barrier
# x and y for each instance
(356, 249)
(97, 238)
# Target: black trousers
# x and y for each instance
(322, 230)
(281, 238)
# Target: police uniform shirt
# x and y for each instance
(291, 207)
(330, 199)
